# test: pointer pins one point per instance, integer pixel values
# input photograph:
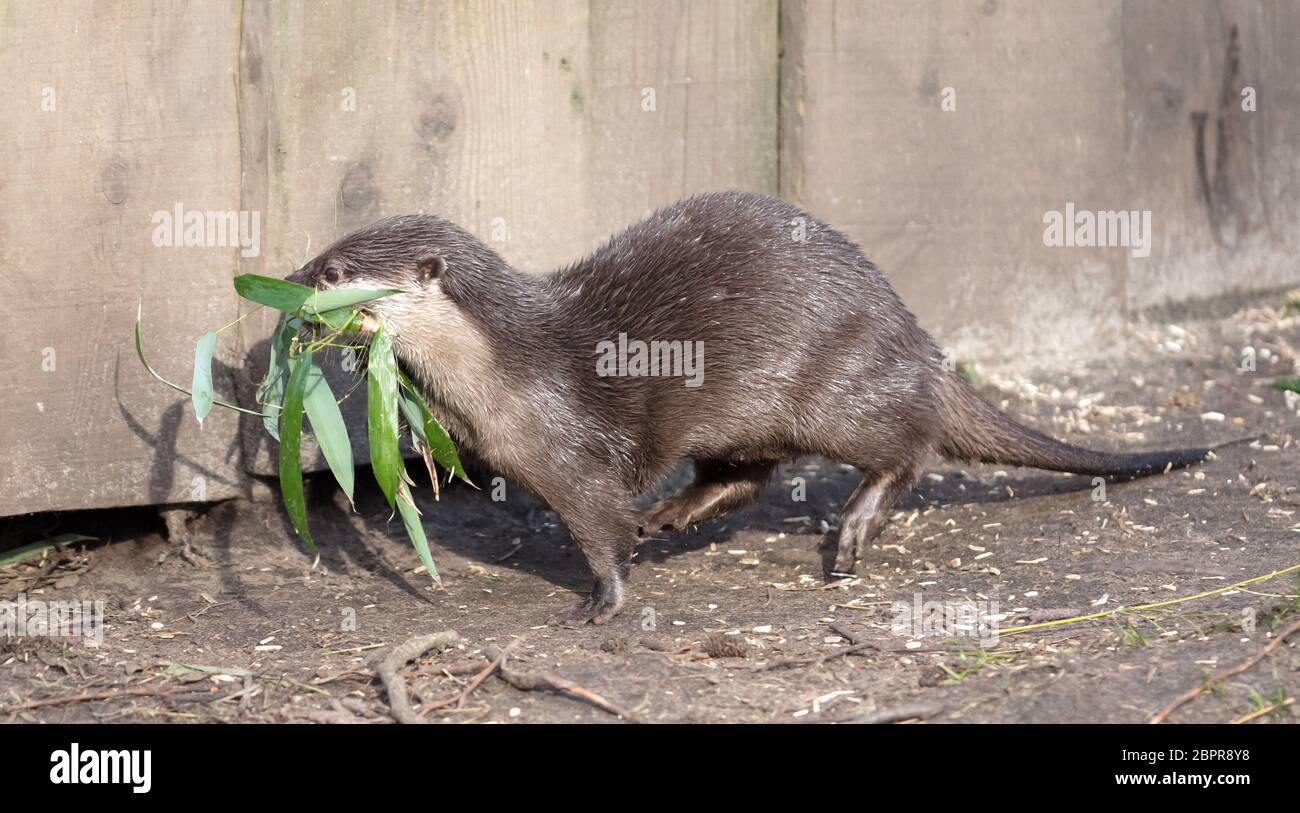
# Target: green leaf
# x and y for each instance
(381, 392)
(330, 430)
(430, 432)
(295, 503)
(201, 391)
(36, 548)
(1292, 384)
(280, 294)
(415, 529)
(139, 353)
(339, 318)
(415, 420)
(304, 301)
(414, 416)
(442, 448)
(270, 393)
(335, 298)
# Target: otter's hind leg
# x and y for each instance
(719, 488)
(865, 514)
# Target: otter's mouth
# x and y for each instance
(367, 324)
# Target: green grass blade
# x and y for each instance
(432, 433)
(330, 430)
(36, 548)
(280, 294)
(201, 391)
(295, 502)
(139, 353)
(1292, 384)
(381, 392)
(270, 393)
(415, 529)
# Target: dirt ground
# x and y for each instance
(735, 621)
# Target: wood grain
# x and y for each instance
(143, 117)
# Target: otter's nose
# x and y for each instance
(300, 276)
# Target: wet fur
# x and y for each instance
(808, 351)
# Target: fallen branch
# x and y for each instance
(532, 681)
(1194, 692)
(398, 701)
(459, 698)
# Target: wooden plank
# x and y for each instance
(683, 99)
(1221, 181)
(473, 122)
(521, 121)
(115, 111)
(950, 203)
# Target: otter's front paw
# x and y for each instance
(605, 602)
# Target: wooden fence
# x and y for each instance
(936, 134)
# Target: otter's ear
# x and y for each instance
(430, 267)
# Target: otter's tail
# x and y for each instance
(975, 430)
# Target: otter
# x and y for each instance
(807, 351)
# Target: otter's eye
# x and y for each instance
(331, 275)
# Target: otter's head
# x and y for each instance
(407, 253)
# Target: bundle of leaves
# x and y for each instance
(310, 322)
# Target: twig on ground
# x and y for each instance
(84, 697)
(194, 616)
(200, 696)
(907, 711)
(1057, 614)
(398, 702)
(845, 634)
(1261, 712)
(657, 643)
(856, 645)
(786, 663)
(515, 547)
(44, 574)
(458, 699)
(531, 681)
(351, 650)
(1151, 606)
(1194, 692)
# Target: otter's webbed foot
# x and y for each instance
(719, 488)
(605, 602)
(671, 513)
(864, 515)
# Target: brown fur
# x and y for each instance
(808, 351)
